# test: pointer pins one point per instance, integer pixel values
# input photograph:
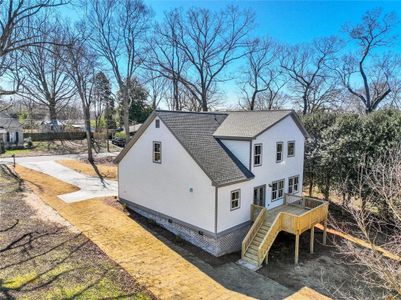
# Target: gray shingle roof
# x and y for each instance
(199, 134)
(195, 132)
(248, 124)
(8, 122)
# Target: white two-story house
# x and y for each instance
(197, 174)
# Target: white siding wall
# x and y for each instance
(165, 187)
(286, 130)
(240, 149)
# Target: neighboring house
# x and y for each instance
(197, 174)
(11, 131)
(134, 128)
(52, 126)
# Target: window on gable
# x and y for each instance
(157, 123)
(277, 189)
(293, 184)
(279, 151)
(235, 199)
(257, 155)
(291, 149)
(157, 152)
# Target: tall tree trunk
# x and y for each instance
(126, 113)
(88, 132)
(52, 110)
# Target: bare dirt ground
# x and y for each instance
(42, 256)
(106, 169)
(324, 271)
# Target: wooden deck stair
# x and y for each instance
(294, 217)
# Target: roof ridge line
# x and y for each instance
(192, 112)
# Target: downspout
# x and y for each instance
(216, 207)
(250, 155)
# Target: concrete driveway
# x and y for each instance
(90, 187)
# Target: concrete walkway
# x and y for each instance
(90, 187)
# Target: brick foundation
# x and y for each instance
(225, 242)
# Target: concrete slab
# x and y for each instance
(90, 187)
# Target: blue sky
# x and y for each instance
(288, 22)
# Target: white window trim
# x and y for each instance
(239, 199)
(288, 143)
(260, 155)
(288, 188)
(153, 152)
(282, 150)
(278, 198)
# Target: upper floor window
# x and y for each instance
(291, 148)
(157, 123)
(277, 189)
(157, 152)
(235, 199)
(279, 151)
(293, 184)
(257, 155)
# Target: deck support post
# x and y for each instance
(325, 232)
(296, 248)
(267, 258)
(312, 238)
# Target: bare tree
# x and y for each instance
(44, 79)
(263, 79)
(18, 31)
(118, 30)
(311, 79)
(80, 64)
(157, 87)
(165, 57)
(381, 235)
(211, 41)
(366, 74)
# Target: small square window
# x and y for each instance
(235, 200)
(157, 152)
(291, 149)
(157, 123)
(279, 151)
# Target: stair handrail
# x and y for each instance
(253, 231)
(274, 229)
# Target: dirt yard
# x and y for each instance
(324, 271)
(106, 169)
(42, 256)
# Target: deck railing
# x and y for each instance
(315, 211)
(269, 238)
(260, 219)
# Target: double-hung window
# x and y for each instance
(291, 149)
(157, 152)
(257, 155)
(279, 151)
(277, 189)
(293, 185)
(235, 199)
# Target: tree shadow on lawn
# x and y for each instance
(41, 259)
(324, 270)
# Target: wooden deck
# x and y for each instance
(295, 216)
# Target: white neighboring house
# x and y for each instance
(11, 132)
(197, 174)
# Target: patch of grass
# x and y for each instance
(16, 152)
(19, 280)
